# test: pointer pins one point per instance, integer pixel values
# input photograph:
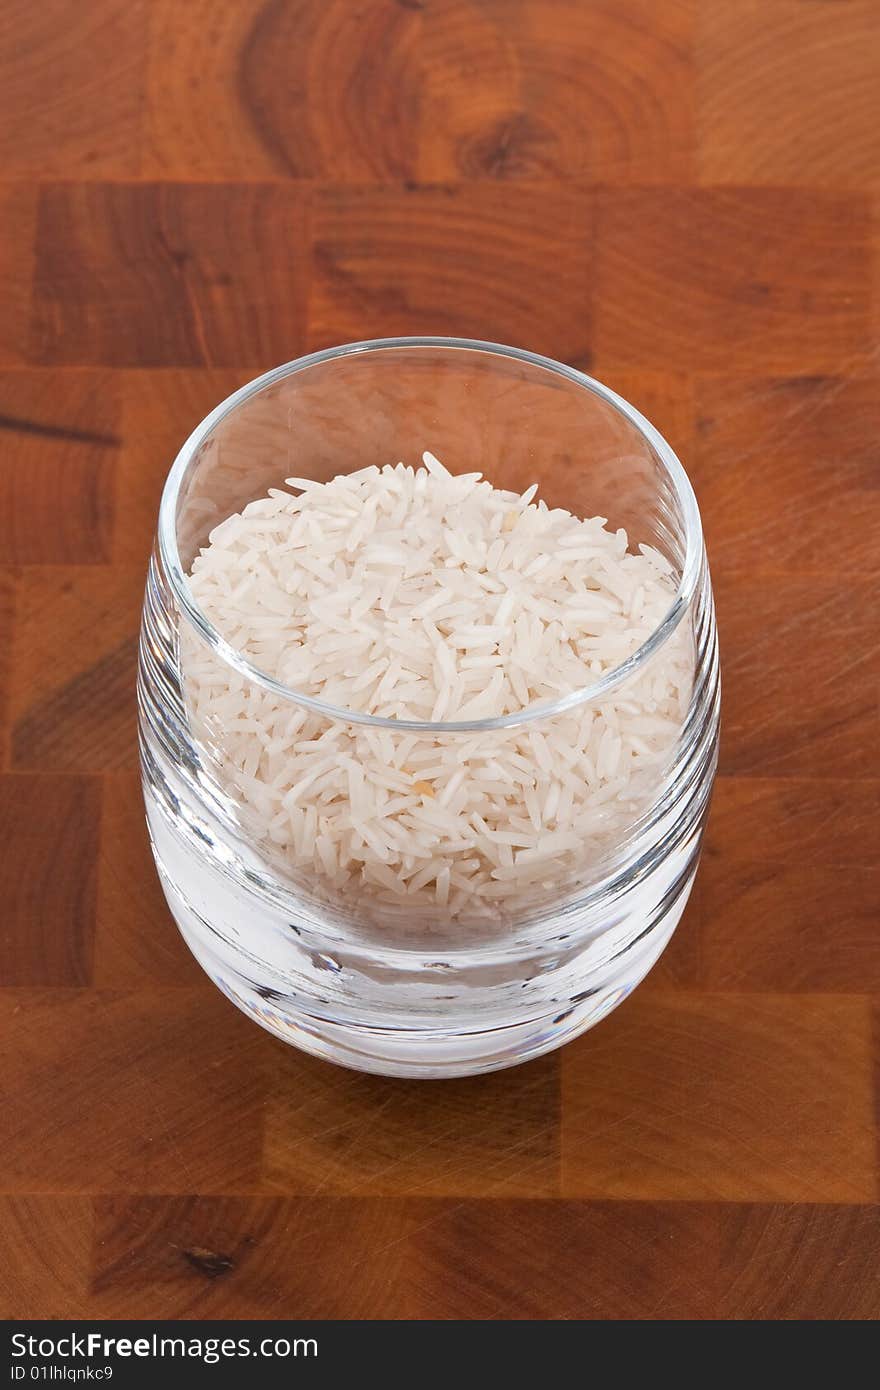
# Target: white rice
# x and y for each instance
(422, 595)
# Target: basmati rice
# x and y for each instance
(423, 595)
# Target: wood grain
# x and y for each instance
(129, 1116)
(299, 88)
(557, 97)
(831, 822)
(47, 1245)
(159, 409)
(60, 433)
(75, 656)
(262, 1257)
(135, 942)
(788, 93)
(495, 1136)
(469, 259)
(786, 468)
(743, 279)
(194, 1257)
(7, 627)
(18, 223)
(739, 1097)
(48, 918)
(774, 925)
(828, 632)
(161, 275)
(652, 1259)
(678, 197)
(89, 121)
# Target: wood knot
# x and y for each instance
(515, 146)
(208, 1262)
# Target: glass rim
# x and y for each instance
(226, 652)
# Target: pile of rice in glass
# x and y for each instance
(421, 595)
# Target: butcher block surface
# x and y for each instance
(679, 198)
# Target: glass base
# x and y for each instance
(442, 1008)
(428, 1053)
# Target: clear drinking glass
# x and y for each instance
(344, 973)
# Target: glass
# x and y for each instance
(344, 971)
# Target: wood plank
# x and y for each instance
(7, 619)
(167, 1093)
(476, 1258)
(72, 88)
(137, 943)
(161, 407)
(792, 295)
(257, 1257)
(788, 94)
(825, 632)
(47, 1252)
(785, 470)
(73, 687)
(152, 275)
(775, 925)
(50, 827)
(603, 91)
(18, 229)
(334, 1132)
(60, 433)
(469, 260)
(738, 1097)
(830, 822)
(289, 90)
(647, 1260)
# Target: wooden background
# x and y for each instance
(677, 196)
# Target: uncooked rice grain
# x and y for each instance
(422, 595)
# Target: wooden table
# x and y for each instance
(675, 196)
